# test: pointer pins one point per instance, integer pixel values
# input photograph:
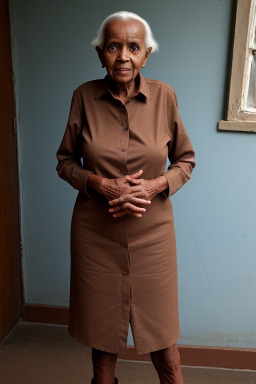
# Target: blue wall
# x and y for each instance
(214, 213)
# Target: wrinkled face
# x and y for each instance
(124, 51)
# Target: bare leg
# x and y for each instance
(167, 364)
(103, 366)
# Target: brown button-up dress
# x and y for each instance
(124, 270)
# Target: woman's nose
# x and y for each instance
(124, 55)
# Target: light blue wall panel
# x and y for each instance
(214, 213)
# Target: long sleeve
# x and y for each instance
(69, 166)
(181, 153)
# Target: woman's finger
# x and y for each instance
(138, 200)
(133, 180)
(129, 199)
(117, 208)
(126, 212)
(135, 175)
(135, 214)
(133, 208)
(126, 206)
(121, 213)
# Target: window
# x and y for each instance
(249, 101)
(241, 114)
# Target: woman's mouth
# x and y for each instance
(123, 70)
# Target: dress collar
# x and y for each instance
(105, 87)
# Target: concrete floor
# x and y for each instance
(46, 354)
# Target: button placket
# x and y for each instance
(124, 140)
(123, 238)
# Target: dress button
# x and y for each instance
(125, 129)
(122, 218)
(124, 173)
(123, 149)
(123, 245)
(125, 301)
(124, 273)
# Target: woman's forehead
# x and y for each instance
(128, 29)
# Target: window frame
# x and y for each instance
(238, 119)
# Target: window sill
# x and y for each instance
(242, 126)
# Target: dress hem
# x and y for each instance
(124, 352)
(92, 345)
(156, 348)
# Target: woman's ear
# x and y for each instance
(99, 51)
(148, 51)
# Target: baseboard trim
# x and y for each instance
(204, 356)
(191, 355)
(48, 314)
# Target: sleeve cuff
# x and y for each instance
(176, 179)
(79, 180)
(165, 192)
(88, 191)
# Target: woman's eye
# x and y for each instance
(134, 48)
(111, 48)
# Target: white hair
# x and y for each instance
(124, 15)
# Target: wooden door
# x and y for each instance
(10, 268)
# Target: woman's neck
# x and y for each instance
(126, 91)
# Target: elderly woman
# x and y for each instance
(123, 253)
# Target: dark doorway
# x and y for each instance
(10, 265)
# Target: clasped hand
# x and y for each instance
(129, 194)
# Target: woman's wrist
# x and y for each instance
(162, 183)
